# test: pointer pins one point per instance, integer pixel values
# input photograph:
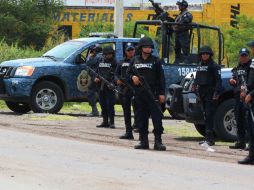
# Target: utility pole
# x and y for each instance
(118, 18)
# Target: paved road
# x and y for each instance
(35, 162)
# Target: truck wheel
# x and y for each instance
(225, 124)
(200, 128)
(18, 107)
(47, 97)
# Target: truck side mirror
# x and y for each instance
(80, 59)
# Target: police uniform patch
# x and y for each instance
(125, 64)
(104, 65)
(144, 65)
(83, 81)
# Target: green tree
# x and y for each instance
(236, 38)
(28, 22)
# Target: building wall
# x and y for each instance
(218, 12)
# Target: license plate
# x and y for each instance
(192, 100)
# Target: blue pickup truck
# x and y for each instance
(43, 84)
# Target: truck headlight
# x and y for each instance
(24, 71)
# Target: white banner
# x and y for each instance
(97, 3)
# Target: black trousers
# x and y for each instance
(182, 46)
(126, 100)
(241, 115)
(250, 130)
(107, 102)
(144, 109)
(208, 107)
(91, 95)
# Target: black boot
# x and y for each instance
(158, 143)
(248, 160)
(94, 112)
(128, 134)
(104, 123)
(112, 123)
(238, 145)
(143, 144)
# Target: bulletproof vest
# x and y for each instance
(146, 69)
(204, 75)
(105, 69)
(183, 17)
(124, 68)
(250, 80)
(239, 71)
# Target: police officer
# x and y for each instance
(126, 97)
(249, 102)
(208, 84)
(106, 68)
(92, 62)
(149, 68)
(242, 70)
(182, 36)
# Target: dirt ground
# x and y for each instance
(79, 127)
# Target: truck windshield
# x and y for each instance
(64, 50)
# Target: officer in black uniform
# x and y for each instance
(92, 62)
(123, 82)
(182, 36)
(242, 70)
(150, 69)
(249, 102)
(208, 85)
(106, 68)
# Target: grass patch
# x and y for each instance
(51, 117)
(3, 105)
(182, 130)
(84, 107)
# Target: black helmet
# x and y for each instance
(251, 44)
(108, 50)
(206, 49)
(145, 41)
(244, 51)
(182, 3)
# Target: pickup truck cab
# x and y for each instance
(43, 84)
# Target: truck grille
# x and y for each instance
(5, 71)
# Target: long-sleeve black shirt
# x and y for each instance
(151, 70)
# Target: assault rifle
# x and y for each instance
(160, 13)
(109, 84)
(147, 88)
(240, 75)
(127, 85)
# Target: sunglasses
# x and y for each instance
(244, 55)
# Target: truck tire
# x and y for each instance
(200, 128)
(47, 97)
(18, 107)
(225, 124)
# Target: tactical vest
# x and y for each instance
(250, 80)
(146, 68)
(105, 69)
(205, 75)
(124, 68)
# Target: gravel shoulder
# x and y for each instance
(79, 127)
